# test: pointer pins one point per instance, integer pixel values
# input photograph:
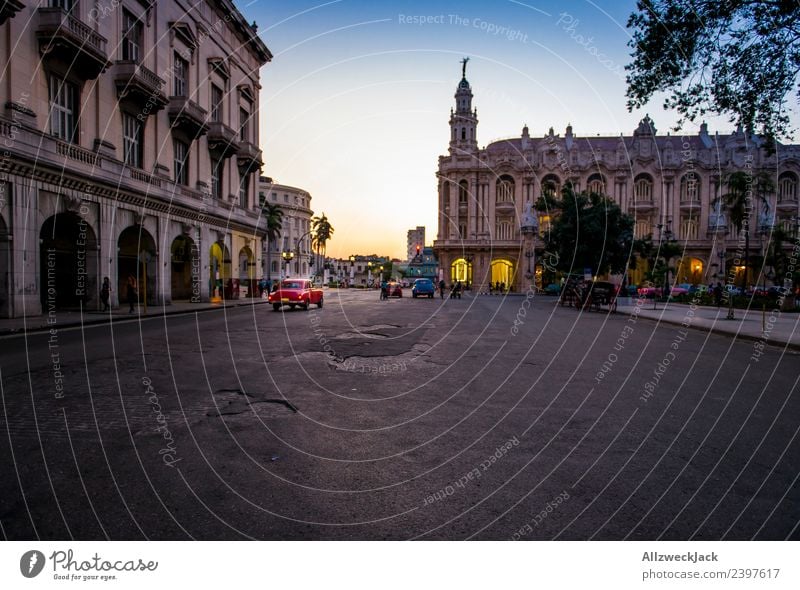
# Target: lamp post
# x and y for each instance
(369, 275)
(529, 227)
(287, 256)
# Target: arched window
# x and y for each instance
(787, 187)
(596, 184)
(643, 188)
(505, 189)
(463, 133)
(690, 188)
(551, 185)
(463, 192)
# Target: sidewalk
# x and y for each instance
(778, 329)
(71, 318)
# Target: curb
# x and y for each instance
(736, 336)
(121, 319)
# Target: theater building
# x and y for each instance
(129, 135)
(672, 185)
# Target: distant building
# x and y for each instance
(295, 236)
(423, 265)
(357, 270)
(416, 241)
(667, 183)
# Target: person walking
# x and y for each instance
(718, 294)
(384, 291)
(105, 293)
(131, 292)
(441, 288)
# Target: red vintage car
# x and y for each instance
(296, 292)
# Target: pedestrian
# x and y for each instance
(441, 288)
(131, 292)
(718, 294)
(384, 291)
(490, 287)
(105, 293)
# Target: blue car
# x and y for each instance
(423, 287)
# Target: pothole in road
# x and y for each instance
(230, 403)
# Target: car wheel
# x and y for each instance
(319, 305)
(305, 306)
(276, 307)
(399, 294)
(431, 295)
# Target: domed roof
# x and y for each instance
(463, 84)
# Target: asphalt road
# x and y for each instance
(405, 419)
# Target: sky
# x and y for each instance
(356, 100)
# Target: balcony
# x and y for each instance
(9, 8)
(688, 204)
(248, 156)
(504, 207)
(222, 140)
(139, 85)
(642, 204)
(786, 204)
(187, 116)
(64, 37)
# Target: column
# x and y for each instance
(25, 284)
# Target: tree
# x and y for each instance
(322, 233)
(589, 231)
(744, 188)
(738, 57)
(273, 220)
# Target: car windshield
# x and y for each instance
(422, 282)
(291, 285)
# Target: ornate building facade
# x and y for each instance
(671, 184)
(130, 148)
(295, 235)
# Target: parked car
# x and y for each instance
(778, 291)
(422, 288)
(393, 289)
(650, 292)
(296, 292)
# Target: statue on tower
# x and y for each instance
(464, 67)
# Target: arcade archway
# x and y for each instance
(5, 267)
(220, 268)
(67, 262)
(503, 271)
(185, 268)
(247, 271)
(461, 270)
(136, 256)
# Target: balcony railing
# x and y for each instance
(222, 139)
(8, 8)
(248, 156)
(141, 85)
(63, 36)
(188, 116)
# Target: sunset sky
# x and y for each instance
(356, 101)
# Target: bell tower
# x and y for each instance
(464, 120)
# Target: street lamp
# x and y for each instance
(287, 256)
(369, 274)
(529, 227)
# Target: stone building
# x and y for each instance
(130, 147)
(295, 235)
(671, 184)
(415, 242)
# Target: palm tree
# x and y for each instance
(323, 231)
(273, 219)
(743, 188)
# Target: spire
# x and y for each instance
(464, 120)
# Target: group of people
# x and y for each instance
(498, 286)
(454, 292)
(131, 293)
